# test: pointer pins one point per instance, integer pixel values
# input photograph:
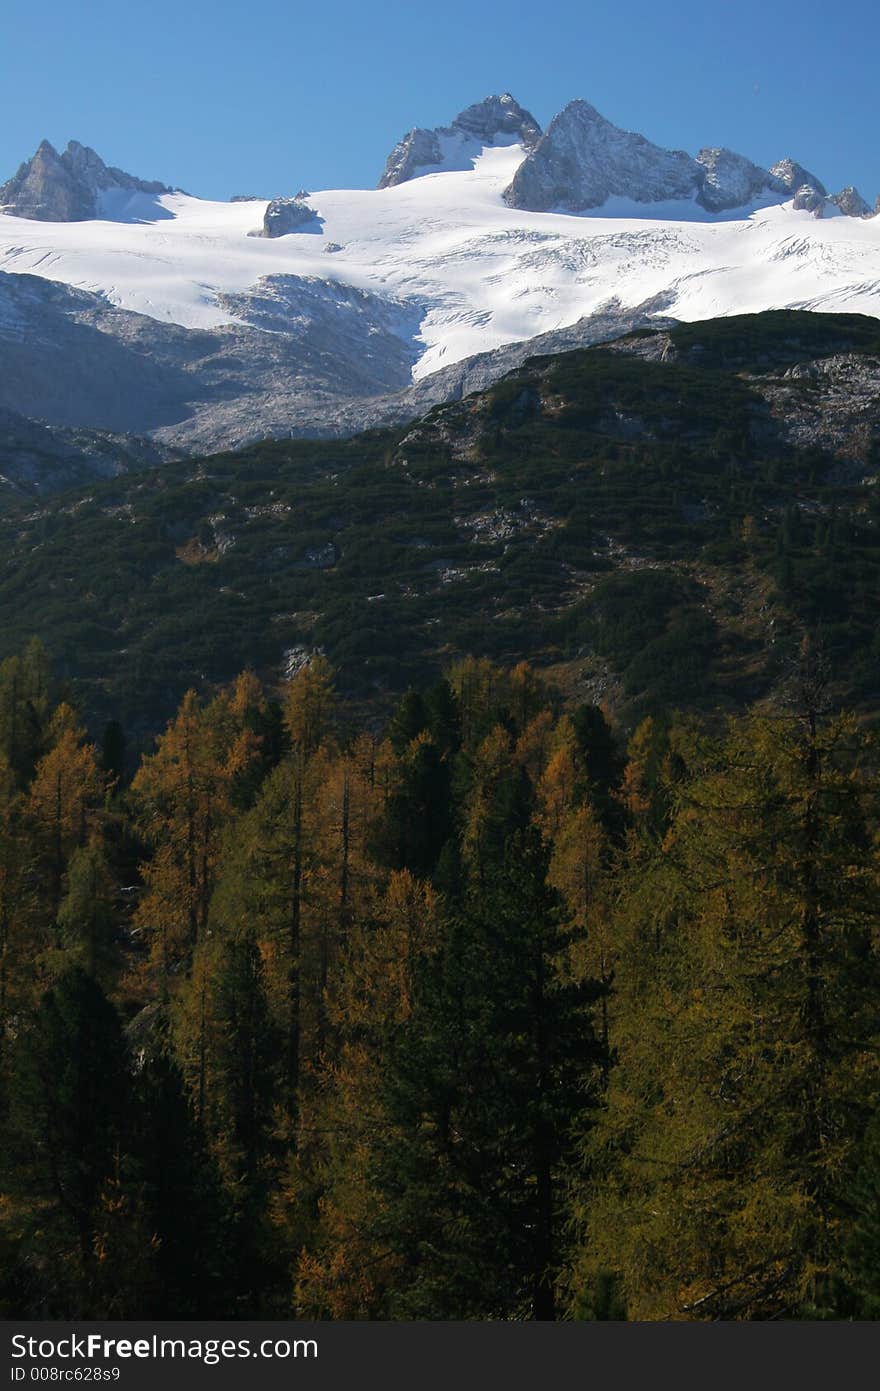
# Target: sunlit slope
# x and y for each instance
(462, 271)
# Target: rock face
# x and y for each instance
(304, 357)
(794, 177)
(811, 195)
(499, 116)
(732, 181)
(851, 202)
(809, 199)
(497, 120)
(582, 160)
(298, 345)
(413, 154)
(40, 458)
(66, 188)
(285, 215)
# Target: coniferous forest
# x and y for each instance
(491, 1011)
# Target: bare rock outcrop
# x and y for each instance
(497, 120)
(285, 215)
(67, 187)
(582, 160)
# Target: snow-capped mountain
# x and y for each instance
(481, 234)
(493, 121)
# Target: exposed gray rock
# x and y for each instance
(809, 199)
(732, 181)
(299, 344)
(44, 189)
(493, 121)
(68, 187)
(40, 458)
(414, 154)
(306, 358)
(840, 415)
(285, 215)
(794, 177)
(850, 202)
(495, 116)
(582, 160)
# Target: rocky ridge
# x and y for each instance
(495, 120)
(582, 160)
(67, 187)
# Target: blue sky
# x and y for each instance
(222, 98)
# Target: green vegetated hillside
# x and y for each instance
(658, 520)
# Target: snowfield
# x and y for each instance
(445, 250)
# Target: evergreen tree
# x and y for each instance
(88, 913)
(485, 1089)
(71, 1119)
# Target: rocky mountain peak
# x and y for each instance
(809, 199)
(66, 188)
(582, 159)
(496, 120)
(851, 203)
(732, 181)
(794, 176)
(494, 116)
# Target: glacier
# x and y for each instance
(481, 273)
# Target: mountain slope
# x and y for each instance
(206, 325)
(71, 187)
(657, 519)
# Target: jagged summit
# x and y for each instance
(67, 187)
(495, 120)
(732, 181)
(582, 160)
(499, 116)
(794, 176)
(851, 203)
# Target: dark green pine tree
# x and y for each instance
(70, 1115)
(113, 753)
(246, 1055)
(409, 720)
(185, 1209)
(604, 764)
(24, 708)
(416, 821)
(485, 1091)
(858, 1291)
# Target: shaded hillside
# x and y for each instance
(658, 519)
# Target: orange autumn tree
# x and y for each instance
(347, 1269)
(187, 794)
(67, 788)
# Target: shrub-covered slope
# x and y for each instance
(659, 519)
